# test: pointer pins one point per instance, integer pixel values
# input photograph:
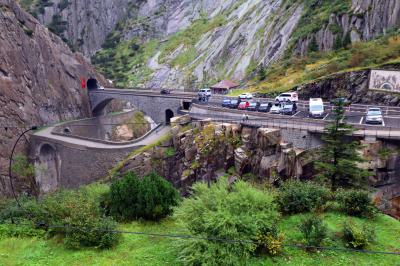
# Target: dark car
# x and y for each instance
(234, 104)
(165, 91)
(264, 107)
(344, 101)
(253, 106)
(288, 109)
(226, 103)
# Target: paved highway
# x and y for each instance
(151, 138)
(355, 113)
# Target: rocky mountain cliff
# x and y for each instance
(187, 43)
(39, 81)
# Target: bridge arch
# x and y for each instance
(168, 115)
(47, 168)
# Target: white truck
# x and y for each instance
(316, 108)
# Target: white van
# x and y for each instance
(316, 108)
(204, 92)
(288, 96)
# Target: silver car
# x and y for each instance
(374, 116)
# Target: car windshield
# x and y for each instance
(253, 104)
(316, 108)
(286, 95)
(226, 101)
(374, 112)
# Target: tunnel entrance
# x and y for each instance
(91, 84)
(46, 169)
(168, 115)
(186, 105)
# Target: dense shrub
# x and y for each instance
(314, 231)
(230, 212)
(270, 241)
(75, 215)
(150, 198)
(356, 202)
(357, 236)
(297, 196)
(20, 230)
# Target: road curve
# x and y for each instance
(151, 138)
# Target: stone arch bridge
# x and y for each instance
(161, 108)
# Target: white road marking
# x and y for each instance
(383, 122)
(362, 118)
(296, 113)
(326, 116)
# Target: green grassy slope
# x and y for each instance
(149, 250)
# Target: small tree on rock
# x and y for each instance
(339, 157)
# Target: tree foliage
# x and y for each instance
(223, 211)
(150, 198)
(340, 157)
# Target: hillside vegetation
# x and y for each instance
(156, 250)
(289, 73)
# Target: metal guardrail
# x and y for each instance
(286, 122)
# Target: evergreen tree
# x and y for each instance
(262, 75)
(339, 157)
(313, 46)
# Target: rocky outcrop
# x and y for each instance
(365, 20)
(83, 24)
(39, 80)
(353, 85)
(203, 151)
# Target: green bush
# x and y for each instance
(357, 236)
(235, 212)
(314, 231)
(270, 241)
(150, 198)
(20, 230)
(298, 197)
(356, 203)
(75, 215)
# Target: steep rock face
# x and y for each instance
(39, 80)
(205, 150)
(365, 20)
(84, 24)
(353, 85)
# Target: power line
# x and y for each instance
(217, 239)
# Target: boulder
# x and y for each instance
(180, 120)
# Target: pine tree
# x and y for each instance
(339, 157)
(262, 75)
(313, 46)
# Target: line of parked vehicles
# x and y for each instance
(286, 104)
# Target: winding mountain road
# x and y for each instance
(146, 140)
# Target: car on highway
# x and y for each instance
(287, 96)
(276, 108)
(253, 106)
(343, 100)
(288, 109)
(204, 92)
(374, 116)
(234, 104)
(165, 91)
(316, 108)
(226, 102)
(243, 105)
(246, 96)
(264, 107)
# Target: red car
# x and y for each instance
(243, 105)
